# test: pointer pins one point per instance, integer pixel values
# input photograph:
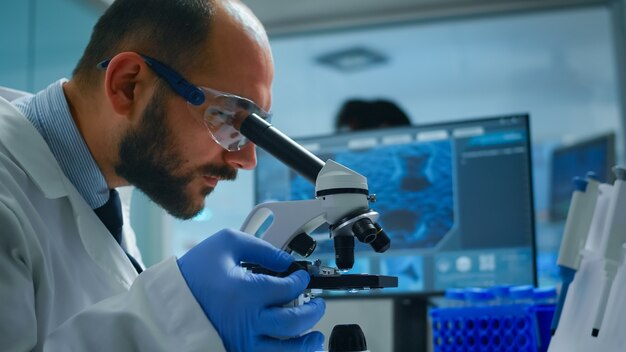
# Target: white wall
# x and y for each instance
(42, 41)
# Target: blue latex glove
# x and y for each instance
(246, 308)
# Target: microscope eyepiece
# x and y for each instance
(344, 252)
(365, 230)
(382, 241)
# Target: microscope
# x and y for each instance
(341, 200)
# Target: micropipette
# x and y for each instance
(575, 234)
(612, 243)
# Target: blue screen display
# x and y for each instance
(413, 188)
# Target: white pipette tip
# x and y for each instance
(604, 296)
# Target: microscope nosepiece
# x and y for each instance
(344, 252)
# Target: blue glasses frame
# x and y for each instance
(181, 86)
(223, 133)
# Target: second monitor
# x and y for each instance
(455, 199)
(595, 155)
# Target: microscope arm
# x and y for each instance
(296, 217)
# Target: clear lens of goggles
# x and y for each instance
(223, 115)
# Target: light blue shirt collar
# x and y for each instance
(49, 112)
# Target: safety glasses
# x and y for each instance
(222, 113)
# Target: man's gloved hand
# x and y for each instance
(246, 308)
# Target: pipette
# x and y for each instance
(612, 243)
(577, 226)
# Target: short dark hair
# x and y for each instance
(171, 30)
(358, 114)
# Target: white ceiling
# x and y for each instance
(279, 13)
(557, 65)
(288, 16)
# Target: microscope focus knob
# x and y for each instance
(347, 338)
(303, 244)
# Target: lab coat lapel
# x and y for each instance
(41, 166)
(99, 243)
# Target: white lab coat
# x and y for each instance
(65, 283)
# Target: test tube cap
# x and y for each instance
(478, 294)
(455, 294)
(501, 291)
(592, 176)
(521, 292)
(544, 293)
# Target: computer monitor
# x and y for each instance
(595, 155)
(455, 199)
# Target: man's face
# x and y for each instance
(151, 159)
(169, 154)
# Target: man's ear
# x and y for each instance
(126, 80)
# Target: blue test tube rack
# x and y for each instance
(510, 327)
